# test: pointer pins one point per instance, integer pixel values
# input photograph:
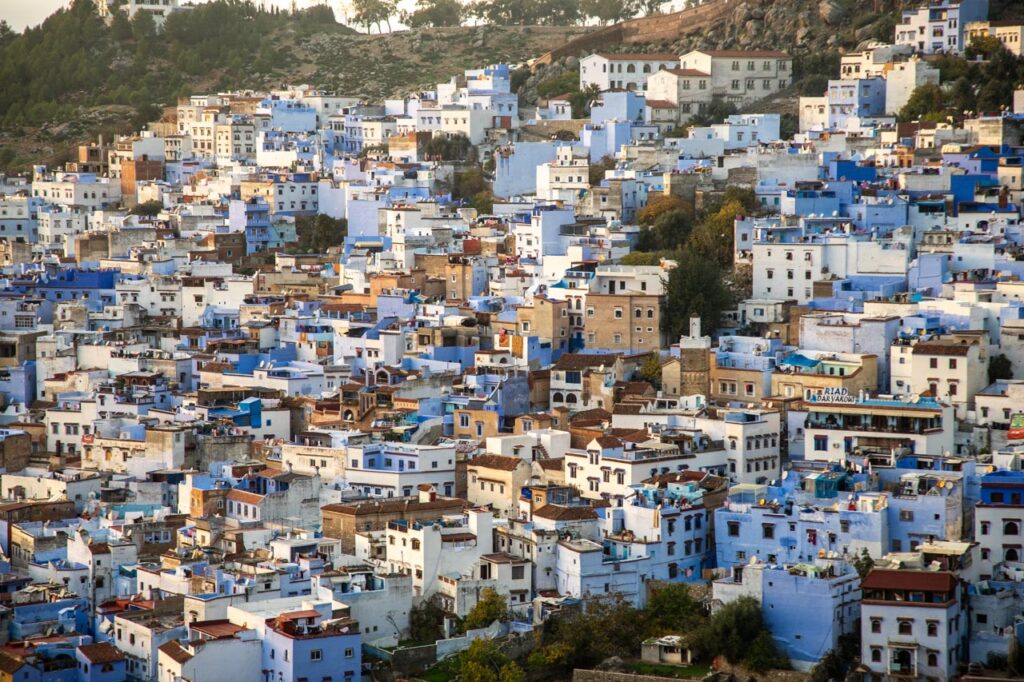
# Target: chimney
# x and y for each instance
(694, 327)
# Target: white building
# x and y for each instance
(913, 624)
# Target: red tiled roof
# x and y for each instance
(745, 53)
(925, 581)
(639, 56)
(499, 462)
(688, 73)
(556, 512)
(101, 652)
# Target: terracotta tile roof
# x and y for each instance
(660, 104)
(557, 512)
(176, 652)
(595, 413)
(101, 652)
(243, 496)
(689, 73)
(745, 53)
(581, 361)
(552, 463)
(942, 348)
(924, 581)
(609, 442)
(499, 462)
(639, 56)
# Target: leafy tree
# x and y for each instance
(927, 99)
(645, 257)
(660, 204)
(671, 607)
(650, 369)
(120, 27)
(713, 237)
(737, 632)
(483, 662)
(983, 46)
(696, 287)
(669, 231)
(999, 367)
(716, 112)
(607, 11)
(490, 607)
(582, 638)
(319, 233)
(863, 563)
(426, 620)
(483, 202)
(143, 27)
(147, 208)
(597, 170)
(435, 13)
(469, 183)
(454, 148)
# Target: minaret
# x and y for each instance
(695, 359)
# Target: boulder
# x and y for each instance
(830, 12)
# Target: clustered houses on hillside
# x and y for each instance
(223, 454)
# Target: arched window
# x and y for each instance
(1011, 528)
(557, 397)
(571, 398)
(1012, 554)
(630, 68)
(906, 627)
(933, 660)
(647, 68)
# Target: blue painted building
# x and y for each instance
(306, 645)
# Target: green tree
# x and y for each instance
(661, 203)
(737, 632)
(999, 367)
(319, 233)
(696, 287)
(490, 607)
(426, 620)
(650, 369)
(483, 662)
(483, 202)
(669, 232)
(435, 13)
(671, 608)
(147, 208)
(926, 100)
(120, 27)
(863, 563)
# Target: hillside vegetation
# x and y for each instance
(74, 76)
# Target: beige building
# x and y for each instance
(952, 368)
(624, 322)
(1010, 35)
(495, 481)
(736, 76)
(823, 370)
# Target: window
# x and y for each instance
(933, 363)
(316, 654)
(349, 653)
(876, 625)
(906, 515)
(933, 628)
(876, 655)
(734, 529)
(768, 531)
(906, 626)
